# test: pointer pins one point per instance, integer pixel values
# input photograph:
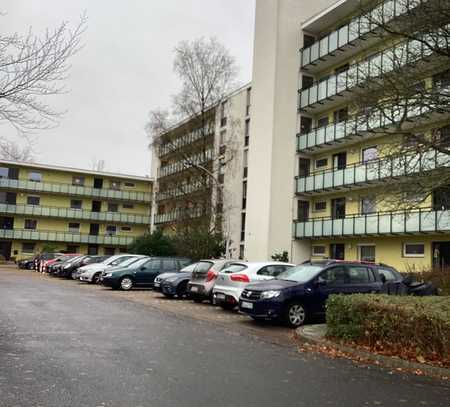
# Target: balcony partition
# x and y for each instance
(420, 221)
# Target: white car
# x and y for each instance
(91, 273)
(231, 281)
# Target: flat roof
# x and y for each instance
(77, 170)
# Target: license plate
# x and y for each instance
(247, 305)
(220, 296)
(194, 289)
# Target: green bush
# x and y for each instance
(152, 244)
(404, 325)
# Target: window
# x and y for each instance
(322, 122)
(369, 154)
(114, 185)
(388, 274)
(28, 247)
(337, 251)
(129, 184)
(359, 274)
(222, 137)
(442, 79)
(273, 270)
(169, 265)
(340, 161)
(109, 251)
(335, 276)
(302, 211)
(367, 253)
(128, 206)
(368, 205)
(340, 115)
(74, 227)
(111, 230)
(154, 265)
(413, 250)
(322, 162)
(113, 207)
(78, 180)
(247, 128)
(338, 208)
(241, 252)
(305, 124)
(223, 114)
(30, 224)
(444, 137)
(320, 206)
(8, 197)
(242, 226)
(244, 194)
(4, 172)
(308, 40)
(75, 203)
(307, 81)
(318, 250)
(303, 167)
(125, 229)
(72, 249)
(33, 200)
(35, 176)
(248, 101)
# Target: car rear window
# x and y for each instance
(235, 268)
(203, 266)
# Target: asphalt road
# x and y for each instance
(65, 345)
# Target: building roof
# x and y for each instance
(76, 170)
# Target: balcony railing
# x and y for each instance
(69, 189)
(372, 171)
(69, 213)
(67, 237)
(419, 221)
(381, 63)
(185, 140)
(185, 164)
(357, 28)
(178, 215)
(184, 189)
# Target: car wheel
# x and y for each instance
(182, 290)
(227, 306)
(126, 283)
(95, 278)
(295, 315)
(198, 300)
(169, 295)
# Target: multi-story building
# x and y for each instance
(218, 141)
(323, 173)
(71, 209)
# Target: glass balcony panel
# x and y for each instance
(364, 24)
(312, 98)
(346, 226)
(360, 173)
(384, 223)
(302, 141)
(359, 226)
(306, 56)
(384, 169)
(309, 184)
(321, 91)
(349, 175)
(318, 181)
(332, 86)
(443, 160)
(337, 179)
(372, 171)
(398, 167)
(443, 220)
(353, 30)
(371, 224)
(320, 136)
(398, 223)
(306, 229)
(343, 34)
(340, 130)
(412, 222)
(304, 98)
(327, 227)
(333, 41)
(327, 179)
(323, 46)
(314, 51)
(389, 10)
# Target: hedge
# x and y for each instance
(417, 327)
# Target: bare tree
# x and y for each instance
(32, 68)
(11, 150)
(403, 92)
(190, 176)
(98, 165)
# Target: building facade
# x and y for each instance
(70, 209)
(323, 172)
(218, 142)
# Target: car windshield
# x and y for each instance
(301, 273)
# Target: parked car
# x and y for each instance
(27, 264)
(176, 284)
(72, 271)
(62, 267)
(232, 280)
(92, 272)
(204, 276)
(163, 276)
(142, 273)
(301, 292)
(53, 266)
(42, 260)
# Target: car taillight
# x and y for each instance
(242, 278)
(211, 275)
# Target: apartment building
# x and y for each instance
(324, 170)
(73, 210)
(219, 143)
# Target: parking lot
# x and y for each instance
(67, 344)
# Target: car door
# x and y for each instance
(330, 281)
(146, 273)
(361, 280)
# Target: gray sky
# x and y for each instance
(124, 70)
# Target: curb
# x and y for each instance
(310, 335)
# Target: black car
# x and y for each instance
(70, 267)
(62, 264)
(301, 292)
(142, 272)
(27, 264)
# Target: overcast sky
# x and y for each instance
(124, 70)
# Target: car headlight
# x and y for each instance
(66, 267)
(108, 274)
(170, 280)
(270, 294)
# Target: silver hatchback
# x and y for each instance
(204, 276)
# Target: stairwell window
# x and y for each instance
(74, 227)
(367, 253)
(78, 180)
(413, 250)
(111, 230)
(318, 250)
(30, 224)
(113, 207)
(114, 185)
(35, 176)
(33, 200)
(75, 203)
(28, 247)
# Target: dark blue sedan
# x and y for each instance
(301, 292)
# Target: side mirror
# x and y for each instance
(383, 278)
(320, 282)
(143, 268)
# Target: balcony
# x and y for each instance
(66, 237)
(75, 190)
(423, 221)
(371, 172)
(322, 95)
(183, 141)
(185, 164)
(178, 215)
(343, 43)
(184, 189)
(75, 214)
